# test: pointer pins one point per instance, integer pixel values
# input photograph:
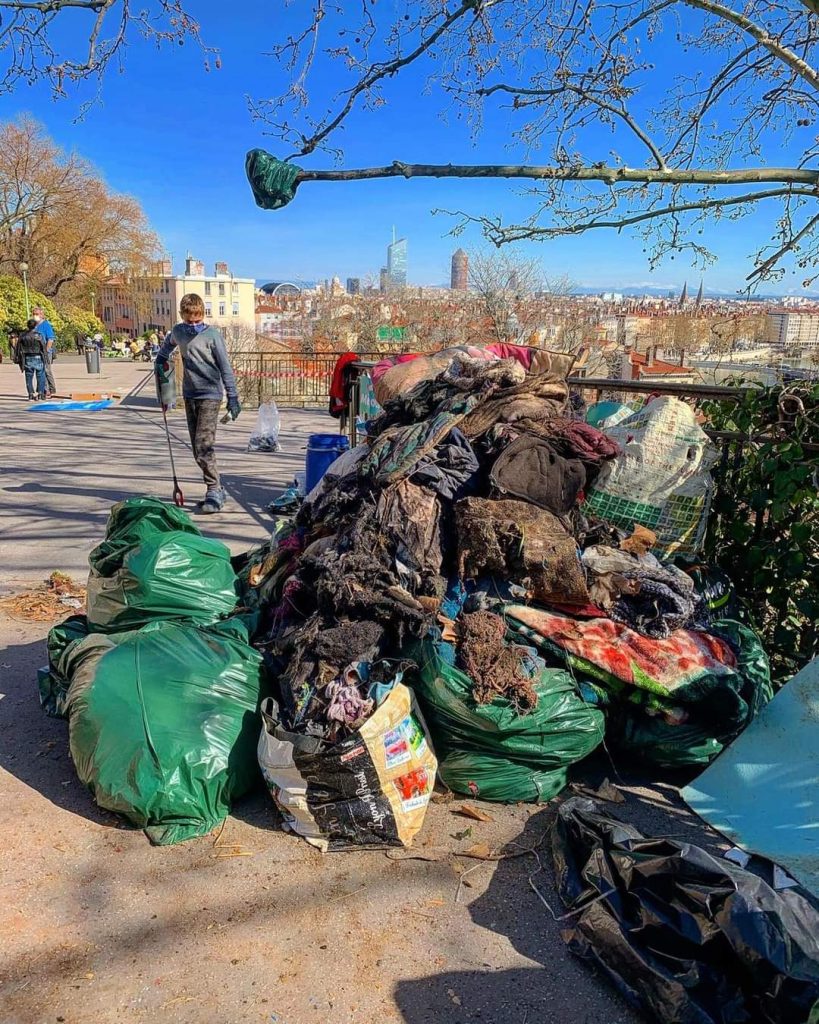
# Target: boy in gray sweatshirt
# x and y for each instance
(207, 377)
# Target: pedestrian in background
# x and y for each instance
(31, 358)
(45, 328)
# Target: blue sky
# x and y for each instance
(175, 136)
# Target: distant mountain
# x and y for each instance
(661, 292)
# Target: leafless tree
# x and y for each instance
(505, 285)
(34, 37)
(710, 107)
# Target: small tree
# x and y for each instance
(58, 216)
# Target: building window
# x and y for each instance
(234, 287)
(207, 287)
(208, 309)
(221, 287)
(221, 309)
(235, 308)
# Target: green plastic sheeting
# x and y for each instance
(164, 722)
(491, 750)
(272, 181)
(154, 564)
(763, 792)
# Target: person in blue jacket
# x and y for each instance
(207, 377)
(45, 328)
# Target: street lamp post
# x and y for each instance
(24, 272)
(94, 302)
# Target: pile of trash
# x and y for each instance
(46, 601)
(521, 570)
(482, 592)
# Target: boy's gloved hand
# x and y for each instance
(233, 407)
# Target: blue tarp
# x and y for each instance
(104, 403)
(763, 791)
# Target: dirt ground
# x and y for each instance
(97, 926)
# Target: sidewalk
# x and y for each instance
(62, 471)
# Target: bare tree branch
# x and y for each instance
(594, 172)
(783, 53)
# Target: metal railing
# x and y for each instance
(288, 379)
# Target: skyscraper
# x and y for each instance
(397, 263)
(353, 285)
(459, 277)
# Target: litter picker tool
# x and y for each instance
(178, 496)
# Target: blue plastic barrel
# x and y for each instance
(322, 452)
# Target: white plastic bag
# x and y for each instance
(265, 434)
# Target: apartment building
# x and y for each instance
(788, 328)
(151, 301)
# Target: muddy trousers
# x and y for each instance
(203, 417)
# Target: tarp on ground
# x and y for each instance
(762, 793)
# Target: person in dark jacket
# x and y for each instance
(31, 358)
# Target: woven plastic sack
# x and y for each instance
(154, 564)
(494, 752)
(370, 789)
(661, 479)
(163, 723)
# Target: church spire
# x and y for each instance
(699, 295)
(684, 295)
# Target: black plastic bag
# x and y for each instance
(683, 935)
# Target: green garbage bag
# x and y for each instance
(52, 684)
(135, 520)
(493, 751)
(154, 564)
(164, 722)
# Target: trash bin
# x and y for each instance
(92, 360)
(322, 452)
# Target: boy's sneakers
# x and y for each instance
(214, 501)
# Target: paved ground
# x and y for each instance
(62, 471)
(98, 926)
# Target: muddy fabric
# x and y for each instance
(397, 451)
(203, 417)
(411, 518)
(651, 598)
(516, 540)
(451, 470)
(539, 398)
(531, 469)
(559, 364)
(496, 668)
(349, 642)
